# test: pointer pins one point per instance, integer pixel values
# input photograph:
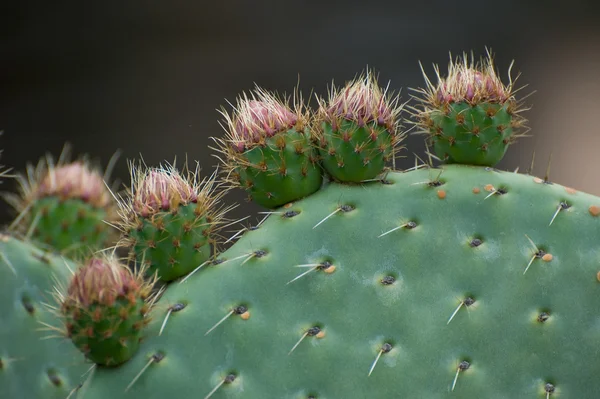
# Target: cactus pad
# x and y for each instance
(470, 283)
(31, 365)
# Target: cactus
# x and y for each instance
(268, 149)
(169, 221)
(461, 270)
(459, 280)
(359, 130)
(105, 310)
(31, 364)
(65, 206)
(470, 116)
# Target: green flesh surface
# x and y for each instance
(347, 164)
(168, 247)
(267, 185)
(511, 354)
(469, 135)
(33, 366)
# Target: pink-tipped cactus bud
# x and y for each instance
(259, 117)
(168, 219)
(74, 180)
(66, 206)
(362, 101)
(359, 129)
(105, 309)
(470, 115)
(161, 189)
(102, 281)
(470, 82)
(268, 149)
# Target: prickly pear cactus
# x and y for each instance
(65, 207)
(268, 149)
(358, 130)
(168, 220)
(105, 310)
(459, 280)
(470, 116)
(34, 363)
(458, 286)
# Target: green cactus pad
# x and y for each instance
(353, 153)
(173, 243)
(71, 226)
(283, 170)
(31, 365)
(471, 134)
(479, 284)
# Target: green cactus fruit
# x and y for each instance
(471, 117)
(359, 130)
(32, 365)
(169, 220)
(105, 310)
(463, 282)
(268, 151)
(65, 207)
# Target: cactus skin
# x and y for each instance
(521, 332)
(482, 131)
(32, 366)
(71, 226)
(341, 158)
(359, 130)
(105, 311)
(172, 243)
(282, 171)
(268, 150)
(471, 117)
(64, 207)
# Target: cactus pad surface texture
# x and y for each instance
(466, 240)
(32, 366)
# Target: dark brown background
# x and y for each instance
(146, 77)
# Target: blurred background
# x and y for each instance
(147, 77)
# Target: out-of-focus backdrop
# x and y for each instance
(147, 77)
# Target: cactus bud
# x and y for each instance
(65, 206)
(105, 309)
(161, 190)
(74, 181)
(169, 220)
(268, 149)
(359, 129)
(257, 120)
(470, 115)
